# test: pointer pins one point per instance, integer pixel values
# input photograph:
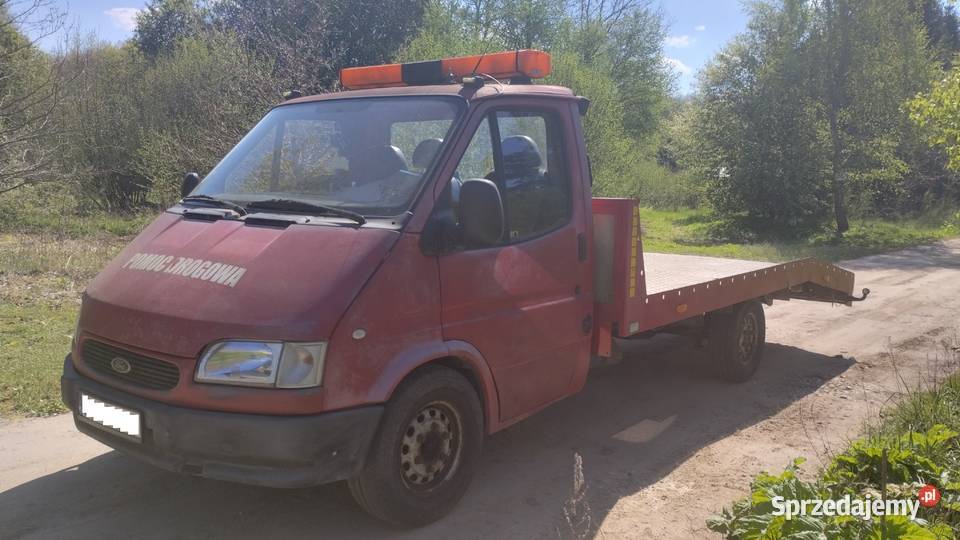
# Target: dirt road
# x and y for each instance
(663, 444)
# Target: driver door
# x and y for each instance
(526, 302)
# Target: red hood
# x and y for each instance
(182, 284)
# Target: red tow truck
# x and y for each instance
(373, 281)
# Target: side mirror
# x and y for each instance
(481, 212)
(190, 182)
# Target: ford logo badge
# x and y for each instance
(120, 365)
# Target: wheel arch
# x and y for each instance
(456, 355)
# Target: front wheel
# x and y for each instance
(737, 339)
(425, 452)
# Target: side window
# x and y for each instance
(533, 179)
(477, 161)
(522, 152)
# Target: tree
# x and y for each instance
(30, 92)
(610, 52)
(835, 58)
(756, 129)
(163, 23)
(875, 56)
(937, 112)
(308, 41)
(942, 26)
(525, 24)
(803, 113)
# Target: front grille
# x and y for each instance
(144, 371)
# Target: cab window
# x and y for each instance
(522, 152)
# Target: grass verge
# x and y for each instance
(43, 271)
(698, 232)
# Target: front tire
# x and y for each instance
(426, 450)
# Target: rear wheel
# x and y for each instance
(426, 451)
(737, 339)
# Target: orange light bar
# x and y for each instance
(503, 65)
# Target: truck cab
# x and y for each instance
(366, 286)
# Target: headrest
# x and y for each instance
(377, 163)
(424, 152)
(520, 154)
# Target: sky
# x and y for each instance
(697, 28)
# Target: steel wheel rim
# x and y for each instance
(747, 339)
(431, 445)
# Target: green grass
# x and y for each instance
(33, 341)
(44, 267)
(78, 226)
(697, 232)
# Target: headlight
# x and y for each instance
(260, 363)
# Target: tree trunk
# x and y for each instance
(838, 180)
(838, 17)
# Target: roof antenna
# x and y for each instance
(476, 67)
(472, 80)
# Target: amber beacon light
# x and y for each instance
(510, 65)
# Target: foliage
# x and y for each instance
(308, 41)
(802, 114)
(198, 102)
(762, 147)
(611, 54)
(912, 460)
(105, 125)
(942, 25)
(30, 92)
(920, 438)
(938, 113)
(163, 23)
(180, 112)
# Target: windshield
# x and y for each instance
(366, 155)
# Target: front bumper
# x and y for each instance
(275, 451)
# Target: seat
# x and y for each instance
(522, 161)
(377, 163)
(424, 152)
(534, 203)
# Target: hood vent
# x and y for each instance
(280, 222)
(207, 214)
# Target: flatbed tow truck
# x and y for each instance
(375, 280)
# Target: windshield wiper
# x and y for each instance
(213, 201)
(292, 205)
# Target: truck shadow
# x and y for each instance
(632, 425)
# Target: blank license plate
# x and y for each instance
(110, 416)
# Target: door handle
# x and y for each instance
(581, 246)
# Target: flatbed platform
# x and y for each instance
(638, 292)
(666, 272)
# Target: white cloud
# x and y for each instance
(699, 28)
(678, 65)
(679, 42)
(124, 18)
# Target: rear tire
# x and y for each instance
(426, 450)
(737, 339)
